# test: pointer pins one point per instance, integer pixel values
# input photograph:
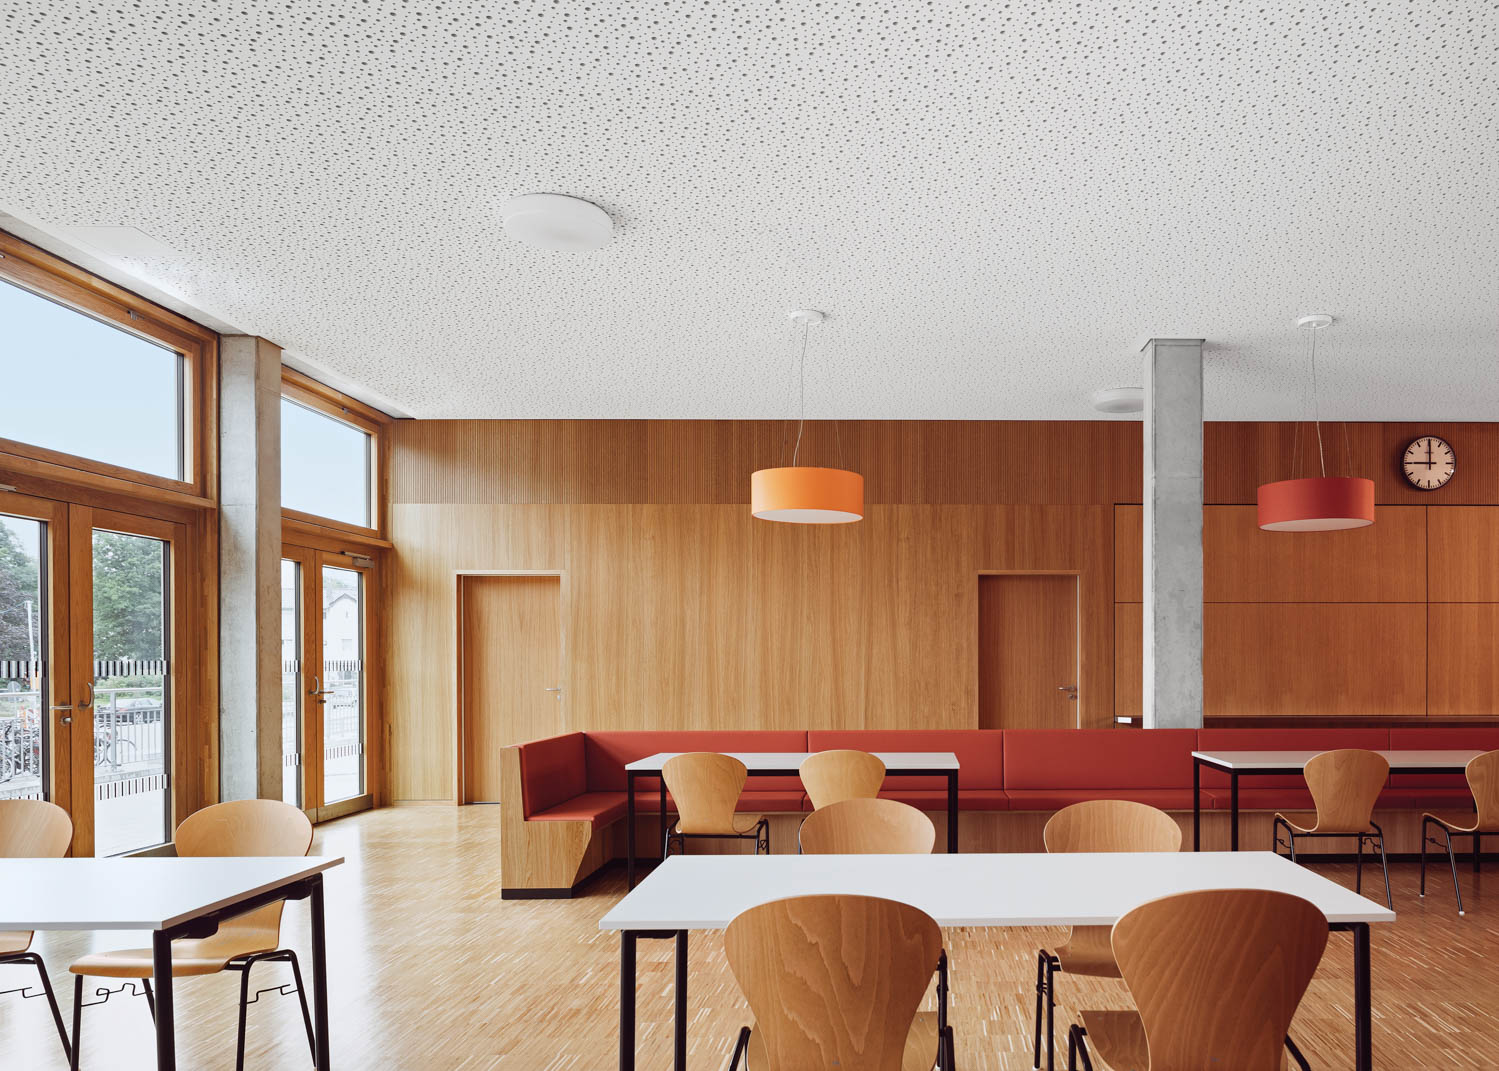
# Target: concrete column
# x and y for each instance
(249, 568)
(1173, 534)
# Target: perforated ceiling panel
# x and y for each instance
(996, 201)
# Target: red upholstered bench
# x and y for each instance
(1047, 769)
(980, 755)
(606, 753)
(554, 784)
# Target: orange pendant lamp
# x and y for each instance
(1316, 503)
(803, 494)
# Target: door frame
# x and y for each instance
(460, 714)
(1077, 630)
(310, 561)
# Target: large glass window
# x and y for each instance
(122, 394)
(325, 465)
(23, 726)
(343, 684)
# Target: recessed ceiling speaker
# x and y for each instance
(1119, 400)
(556, 221)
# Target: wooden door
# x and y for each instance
(1028, 652)
(511, 665)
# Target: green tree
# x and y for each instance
(18, 583)
(127, 596)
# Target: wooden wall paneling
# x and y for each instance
(1462, 677)
(1129, 660)
(1463, 553)
(1314, 658)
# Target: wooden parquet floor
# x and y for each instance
(430, 969)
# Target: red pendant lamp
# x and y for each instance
(803, 494)
(1316, 503)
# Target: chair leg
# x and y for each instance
(740, 1045)
(1077, 1045)
(1384, 862)
(1040, 997)
(1452, 862)
(1052, 963)
(1358, 866)
(1296, 1055)
(150, 997)
(1425, 825)
(77, 1021)
(296, 973)
(41, 970)
(1477, 853)
(244, 1007)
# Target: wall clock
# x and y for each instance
(1429, 463)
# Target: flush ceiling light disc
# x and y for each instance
(1119, 400)
(556, 221)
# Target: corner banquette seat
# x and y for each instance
(563, 798)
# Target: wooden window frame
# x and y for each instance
(299, 527)
(51, 277)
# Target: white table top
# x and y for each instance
(703, 892)
(936, 761)
(1273, 760)
(136, 894)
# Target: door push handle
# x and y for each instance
(1066, 687)
(88, 700)
(557, 689)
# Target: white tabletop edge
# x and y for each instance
(68, 873)
(937, 761)
(1288, 758)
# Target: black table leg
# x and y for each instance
(319, 975)
(161, 968)
(1363, 1012)
(627, 1000)
(1196, 804)
(629, 829)
(952, 812)
(681, 995)
(1233, 809)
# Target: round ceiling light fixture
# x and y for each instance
(1119, 400)
(556, 221)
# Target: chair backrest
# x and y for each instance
(867, 827)
(706, 787)
(246, 827)
(833, 981)
(1112, 826)
(1344, 785)
(34, 829)
(831, 776)
(1483, 780)
(1259, 948)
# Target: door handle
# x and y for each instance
(64, 721)
(557, 689)
(317, 691)
(88, 700)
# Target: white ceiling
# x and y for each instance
(997, 202)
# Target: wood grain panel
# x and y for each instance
(1462, 677)
(1463, 558)
(1129, 659)
(1027, 651)
(1314, 658)
(511, 662)
(1385, 562)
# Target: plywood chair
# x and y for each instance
(239, 828)
(1259, 949)
(1093, 826)
(1345, 785)
(835, 981)
(832, 776)
(33, 829)
(1483, 781)
(706, 788)
(867, 827)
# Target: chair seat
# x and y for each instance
(1466, 822)
(920, 1055)
(1117, 1039)
(12, 941)
(189, 958)
(1307, 823)
(742, 825)
(1089, 952)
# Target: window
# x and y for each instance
(325, 466)
(124, 394)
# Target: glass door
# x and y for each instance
(26, 735)
(325, 706)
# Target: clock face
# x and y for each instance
(1429, 462)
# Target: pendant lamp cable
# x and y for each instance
(801, 421)
(1316, 408)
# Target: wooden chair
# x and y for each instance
(33, 829)
(706, 788)
(239, 828)
(867, 827)
(1483, 781)
(835, 981)
(1345, 785)
(832, 776)
(1259, 949)
(1093, 826)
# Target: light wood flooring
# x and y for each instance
(430, 969)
